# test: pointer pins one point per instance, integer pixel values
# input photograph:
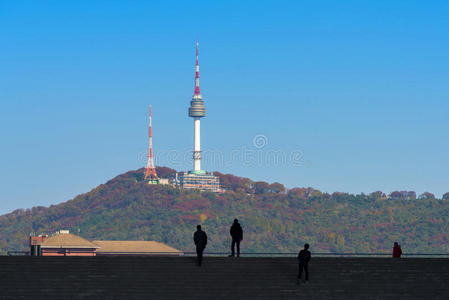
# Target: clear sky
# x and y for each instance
(349, 96)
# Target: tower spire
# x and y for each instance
(150, 170)
(197, 74)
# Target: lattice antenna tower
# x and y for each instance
(150, 170)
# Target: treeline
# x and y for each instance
(273, 218)
(241, 184)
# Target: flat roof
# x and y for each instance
(133, 246)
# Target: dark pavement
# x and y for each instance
(221, 278)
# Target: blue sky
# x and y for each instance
(349, 95)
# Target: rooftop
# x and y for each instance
(133, 246)
(63, 239)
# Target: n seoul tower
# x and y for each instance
(197, 178)
(197, 111)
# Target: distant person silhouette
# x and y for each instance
(304, 257)
(200, 239)
(397, 251)
(236, 232)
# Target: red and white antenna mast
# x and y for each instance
(197, 74)
(150, 170)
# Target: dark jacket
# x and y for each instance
(236, 232)
(304, 256)
(200, 238)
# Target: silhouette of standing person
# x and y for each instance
(397, 251)
(236, 232)
(200, 239)
(304, 257)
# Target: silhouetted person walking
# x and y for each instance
(304, 257)
(397, 251)
(200, 239)
(236, 232)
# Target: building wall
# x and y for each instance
(68, 252)
(137, 254)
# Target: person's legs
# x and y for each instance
(300, 271)
(199, 254)
(233, 247)
(306, 270)
(238, 248)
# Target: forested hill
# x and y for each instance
(273, 219)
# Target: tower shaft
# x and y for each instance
(197, 145)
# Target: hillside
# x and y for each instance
(273, 220)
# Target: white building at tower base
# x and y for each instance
(202, 180)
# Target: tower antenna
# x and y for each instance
(150, 170)
(197, 73)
